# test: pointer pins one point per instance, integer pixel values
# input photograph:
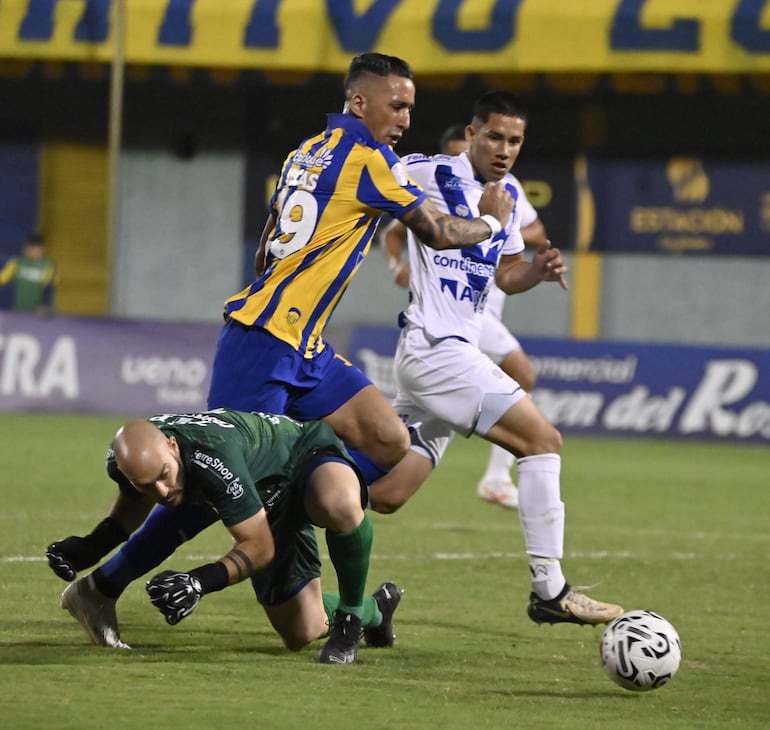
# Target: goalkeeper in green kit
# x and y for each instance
(269, 479)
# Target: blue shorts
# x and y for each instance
(255, 371)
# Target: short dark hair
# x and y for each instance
(35, 239)
(453, 133)
(377, 64)
(499, 102)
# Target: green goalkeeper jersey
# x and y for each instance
(239, 462)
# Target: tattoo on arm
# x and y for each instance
(240, 561)
(439, 231)
(423, 225)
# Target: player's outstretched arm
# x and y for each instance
(441, 231)
(176, 594)
(72, 554)
(534, 234)
(516, 275)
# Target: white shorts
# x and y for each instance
(447, 386)
(496, 342)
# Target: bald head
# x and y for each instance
(146, 456)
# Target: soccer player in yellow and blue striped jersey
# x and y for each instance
(331, 194)
(323, 205)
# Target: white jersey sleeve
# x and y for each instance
(449, 288)
(497, 297)
(527, 210)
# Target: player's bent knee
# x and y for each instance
(392, 444)
(545, 441)
(385, 441)
(293, 643)
(550, 442)
(344, 517)
(300, 636)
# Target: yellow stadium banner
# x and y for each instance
(434, 36)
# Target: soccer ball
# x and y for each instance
(640, 651)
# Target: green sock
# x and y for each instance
(349, 553)
(372, 615)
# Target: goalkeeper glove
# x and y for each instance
(175, 595)
(66, 557)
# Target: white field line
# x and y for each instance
(597, 555)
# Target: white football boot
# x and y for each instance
(94, 611)
(499, 491)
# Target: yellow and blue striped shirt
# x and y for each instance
(331, 194)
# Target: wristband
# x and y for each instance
(212, 577)
(492, 222)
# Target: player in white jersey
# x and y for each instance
(496, 485)
(447, 385)
(505, 350)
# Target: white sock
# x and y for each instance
(541, 513)
(547, 578)
(499, 466)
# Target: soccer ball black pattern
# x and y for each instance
(640, 651)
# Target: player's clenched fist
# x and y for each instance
(175, 595)
(497, 202)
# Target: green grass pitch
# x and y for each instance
(678, 528)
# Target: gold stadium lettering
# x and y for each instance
(259, 24)
(693, 220)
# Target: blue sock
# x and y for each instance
(157, 539)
